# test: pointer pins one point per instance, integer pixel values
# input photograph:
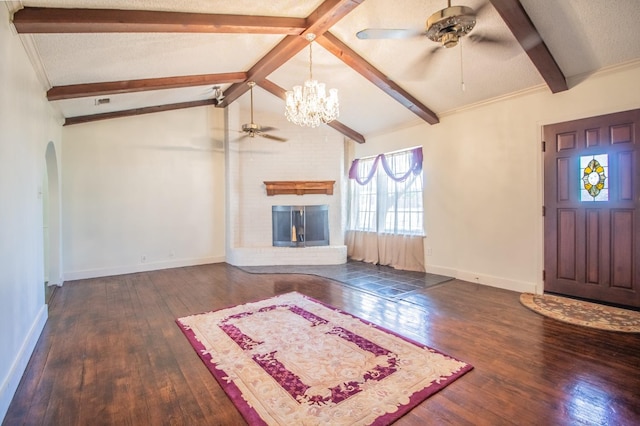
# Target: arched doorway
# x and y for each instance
(51, 219)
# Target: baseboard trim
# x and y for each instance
(498, 282)
(19, 365)
(273, 256)
(142, 267)
(488, 280)
(440, 270)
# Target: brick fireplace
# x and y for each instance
(308, 155)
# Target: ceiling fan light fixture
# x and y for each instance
(450, 40)
(447, 25)
(251, 128)
(309, 104)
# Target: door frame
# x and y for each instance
(607, 119)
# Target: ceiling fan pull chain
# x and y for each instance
(461, 68)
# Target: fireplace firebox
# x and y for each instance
(300, 226)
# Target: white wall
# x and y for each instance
(142, 193)
(27, 125)
(483, 177)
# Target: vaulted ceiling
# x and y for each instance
(153, 55)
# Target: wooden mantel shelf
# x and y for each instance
(300, 187)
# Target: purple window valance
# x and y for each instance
(415, 167)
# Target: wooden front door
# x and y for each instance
(592, 208)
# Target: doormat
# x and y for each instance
(583, 313)
(293, 360)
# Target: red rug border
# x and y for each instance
(251, 415)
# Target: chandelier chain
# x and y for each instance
(311, 61)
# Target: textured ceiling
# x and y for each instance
(582, 35)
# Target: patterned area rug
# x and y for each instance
(290, 360)
(583, 313)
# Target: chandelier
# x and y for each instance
(309, 105)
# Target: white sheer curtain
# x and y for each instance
(386, 212)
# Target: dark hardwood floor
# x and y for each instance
(112, 354)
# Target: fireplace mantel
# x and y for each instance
(300, 187)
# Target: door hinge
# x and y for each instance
(544, 275)
(544, 146)
(544, 211)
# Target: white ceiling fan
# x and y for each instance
(445, 27)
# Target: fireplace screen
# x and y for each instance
(300, 226)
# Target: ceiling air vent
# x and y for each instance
(102, 101)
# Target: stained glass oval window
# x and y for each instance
(593, 176)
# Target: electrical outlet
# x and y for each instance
(429, 251)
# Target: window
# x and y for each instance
(387, 199)
(594, 185)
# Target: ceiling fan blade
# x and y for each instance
(479, 38)
(481, 8)
(531, 41)
(387, 33)
(239, 138)
(267, 128)
(275, 138)
(418, 68)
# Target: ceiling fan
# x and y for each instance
(445, 27)
(252, 129)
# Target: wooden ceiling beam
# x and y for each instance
(59, 20)
(328, 14)
(368, 71)
(278, 91)
(280, 54)
(518, 21)
(318, 22)
(73, 91)
(347, 131)
(137, 111)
